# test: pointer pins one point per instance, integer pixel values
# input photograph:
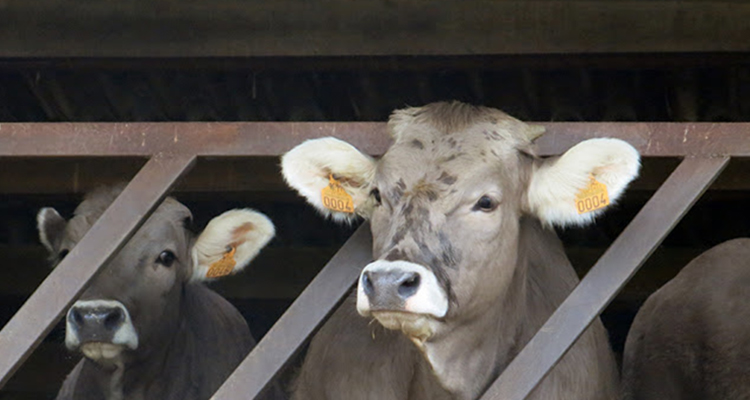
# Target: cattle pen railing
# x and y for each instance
(172, 149)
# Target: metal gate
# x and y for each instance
(172, 149)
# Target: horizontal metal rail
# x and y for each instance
(275, 138)
(613, 270)
(23, 333)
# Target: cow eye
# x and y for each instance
(62, 254)
(485, 203)
(376, 194)
(166, 258)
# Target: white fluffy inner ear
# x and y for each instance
(237, 235)
(50, 226)
(555, 184)
(307, 167)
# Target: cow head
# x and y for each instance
(445, 204)
(133, 306)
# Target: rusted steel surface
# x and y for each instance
(613, 270)
(302, 318)
(203, 139)
(657, 139)
(20, 336)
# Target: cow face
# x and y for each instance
(133, 306)
(445, 203)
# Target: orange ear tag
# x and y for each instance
(224, 266)
(592, 197)
(335, 198)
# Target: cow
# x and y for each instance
(691, 338)
(147, 325)
(466, 264)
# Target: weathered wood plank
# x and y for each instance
(233, 28)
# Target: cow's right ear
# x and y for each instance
(51, 227)
(313, 165)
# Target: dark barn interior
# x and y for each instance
(100, 61)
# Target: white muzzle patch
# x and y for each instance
(429, 298)
(124, 336)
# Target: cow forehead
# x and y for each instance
(163, 222)
(441, 155)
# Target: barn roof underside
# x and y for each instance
(354, 91)
(338, 60)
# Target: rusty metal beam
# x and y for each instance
(613, 270)
(657, 139)
(302, 318)
(20, 336)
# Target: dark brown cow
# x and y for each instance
(148, 327)
(691, 338)
(466, 266)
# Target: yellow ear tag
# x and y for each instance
(335, 197)
(592, 197)
(224, 266)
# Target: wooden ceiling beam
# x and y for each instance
(234, 28)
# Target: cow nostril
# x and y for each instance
(409, 285)
(77, 317)
(114, 319)
(367, 286)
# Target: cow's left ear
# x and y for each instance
(576, 187)
(51, 227)
(229, 242)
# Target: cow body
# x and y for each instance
(691, 338)
(147, 326)
(466, 266)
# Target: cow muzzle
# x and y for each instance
(101, 329)
(403, 296)
(400, 287)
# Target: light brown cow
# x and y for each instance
(691, 338)
(467, 267)
(148, 327)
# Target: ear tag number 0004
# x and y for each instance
(335, 198)
(592, 197)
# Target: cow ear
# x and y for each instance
(51, 226)
(559, 185)
(229, 242)
(313, 165)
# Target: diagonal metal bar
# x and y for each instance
(613, 270)
(302, 318)
(21, 335)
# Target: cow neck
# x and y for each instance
(481, 348)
